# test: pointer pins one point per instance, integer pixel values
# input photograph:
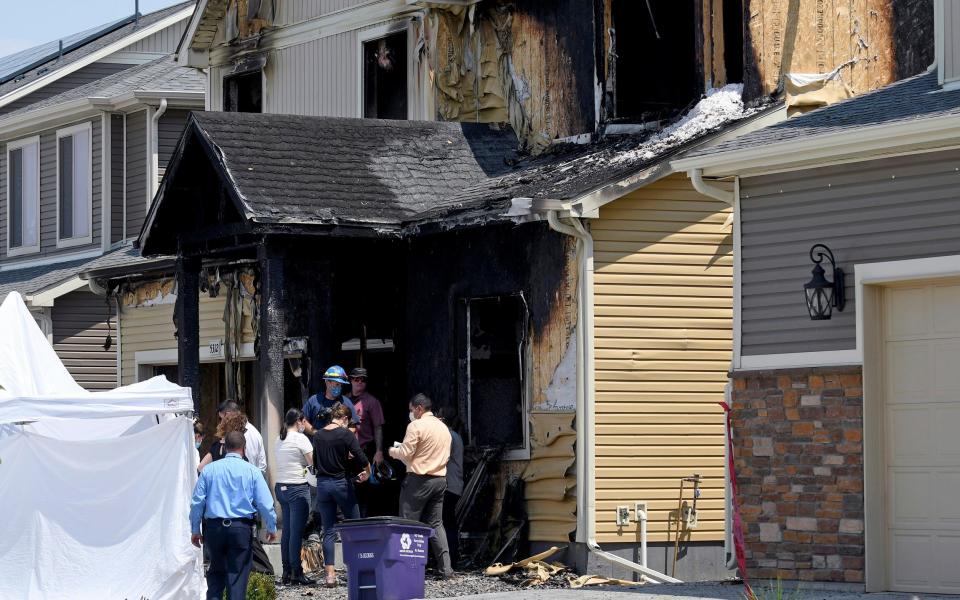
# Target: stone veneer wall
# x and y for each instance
(798, 447)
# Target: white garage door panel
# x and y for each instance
(922, 432)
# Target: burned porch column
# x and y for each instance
(272, 331)
(187, 314)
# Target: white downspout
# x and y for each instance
(155, 147)
(586, 495)
(729, 198)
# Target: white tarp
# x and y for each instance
(95, 487)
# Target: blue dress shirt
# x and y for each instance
(231, 488)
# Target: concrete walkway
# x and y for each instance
(707, 591)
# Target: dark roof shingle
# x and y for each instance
(915, 98)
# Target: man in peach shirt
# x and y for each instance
(425, 451)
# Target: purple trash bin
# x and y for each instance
(385, 557)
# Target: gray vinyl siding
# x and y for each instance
(79, 77)
(317, 78)
(877, 211)
(116, 178)
(295, 11)
(165, 40)
(79, 330)
(136, 172)
(951, 40)
(170, 128)
(48, 192)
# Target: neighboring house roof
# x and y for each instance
(125, 261)
(87, 52)
(285, 169)
(159, 75)
(852, 128)
(33, 280)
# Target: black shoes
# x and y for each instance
(298, 578)
(285, 580)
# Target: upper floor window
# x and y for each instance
(385, 72)
(23, 196)
(243, 92)
(74, 186)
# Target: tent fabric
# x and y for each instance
(104, 518)
(28, 364)
(95, 487)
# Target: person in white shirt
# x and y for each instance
(294, 453)
(254, 450)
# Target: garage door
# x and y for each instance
(922, 437)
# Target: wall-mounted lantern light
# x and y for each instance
(822, 295)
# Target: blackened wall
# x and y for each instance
(443, 270)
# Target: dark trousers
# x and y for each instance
(231, 556)
(421, 499)
(294, 501)
(450, 526)
(333, 493)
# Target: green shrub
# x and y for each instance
(259, 587)
(774, 591)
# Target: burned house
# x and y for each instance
(522, 248)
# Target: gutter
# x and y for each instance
(586, 415)
(725, 196)
(155, 147)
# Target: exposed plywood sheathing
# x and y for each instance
(663, 330)
(817, 36)
(550, 482)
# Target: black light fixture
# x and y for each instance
(822, 295)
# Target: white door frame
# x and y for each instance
(870, 281)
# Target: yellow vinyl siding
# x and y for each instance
(663, 329)
(151, 328)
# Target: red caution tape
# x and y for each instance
(738, 540)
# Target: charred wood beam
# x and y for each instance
(272, 332)
(187, 317)
(320, 324)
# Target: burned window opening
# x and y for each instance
(243, 92)
(385, 77)
(655, 58)
(496, 356)
(733, 40)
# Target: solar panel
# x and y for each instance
(19, 62)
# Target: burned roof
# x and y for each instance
(911, 99)
(331, 171)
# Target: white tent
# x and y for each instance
(95, 487)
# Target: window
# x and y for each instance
(243, 92)
(496, 357)
(657, 70)
(74, 186)
(385, 77)
(23, 196)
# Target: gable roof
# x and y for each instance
(331, 171)
(92, 49)
(159, 75)
(912, 102)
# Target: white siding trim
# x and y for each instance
(938, 41)
(376, 33)
(800, 359)
(106, 191)
(168, 356)
(15, 145)
(737, 279)
(66, 132)
(48, 296)
(49, 260)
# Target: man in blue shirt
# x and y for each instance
(317, 408)
(227, 497)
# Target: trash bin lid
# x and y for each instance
(375, 521)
